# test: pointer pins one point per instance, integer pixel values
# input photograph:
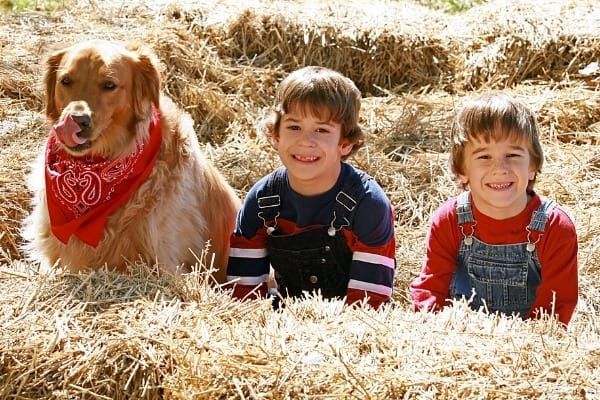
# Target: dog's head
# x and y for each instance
(99, 97)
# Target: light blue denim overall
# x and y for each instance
(501, 278)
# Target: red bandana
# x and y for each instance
(83, 192)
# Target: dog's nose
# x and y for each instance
(83, 120)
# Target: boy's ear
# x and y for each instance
(463, 179)
(346, 148)
(274, 140)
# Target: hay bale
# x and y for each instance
(524, 40)
(107, 335)
(389, 54)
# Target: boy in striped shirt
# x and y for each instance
(320, 223)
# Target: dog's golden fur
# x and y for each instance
(183, 204)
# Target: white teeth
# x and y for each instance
(301, 158)
(499, 186)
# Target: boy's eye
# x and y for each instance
(322, 130)
(483, 157)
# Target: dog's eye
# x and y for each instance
(108, 85)
(66, 81)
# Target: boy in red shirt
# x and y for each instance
(500, 245)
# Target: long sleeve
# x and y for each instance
(430, 291)
(559, 289)
(556, 250)
(248, 266)
(373, 266)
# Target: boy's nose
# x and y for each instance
(501, 165)
(308, 135)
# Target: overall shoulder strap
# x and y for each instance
(269, 203)
(348, 198)
(464, 213)
(463, 208)
(536, 226)
(540, 216)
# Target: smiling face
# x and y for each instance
(496, 152)
(498, 173)
(311, 149)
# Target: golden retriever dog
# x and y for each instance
(122, 177)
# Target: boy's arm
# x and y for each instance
(248, 269)
(373, 247)
(558, 290)
(248, 266)
(431, 290)
(372, 274)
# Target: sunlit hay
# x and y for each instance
(387, 353)
(21, 131)
(566, 112)
(532, 41)
(120, 335)
(147, 335)
(392, 53)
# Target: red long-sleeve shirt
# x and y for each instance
(557, 253)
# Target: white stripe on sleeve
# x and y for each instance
(248, 253)
(373, 258)
(247, 280)
(370, 287)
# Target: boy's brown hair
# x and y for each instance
(324, 93)
(495, 116)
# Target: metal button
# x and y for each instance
(327, 248)
(323, 261)
(313, 279)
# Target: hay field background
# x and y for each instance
(109, 336)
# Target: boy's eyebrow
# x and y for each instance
(288, 118)
(482, 149)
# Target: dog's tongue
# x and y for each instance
(66, 132)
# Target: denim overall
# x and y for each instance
(315, 259)
(501, 278)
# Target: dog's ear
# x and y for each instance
(52, 64)
(146, 85)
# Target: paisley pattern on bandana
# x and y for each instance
(82, 192)
(81, 184)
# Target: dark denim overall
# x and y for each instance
(501, 278)
(318, 258)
